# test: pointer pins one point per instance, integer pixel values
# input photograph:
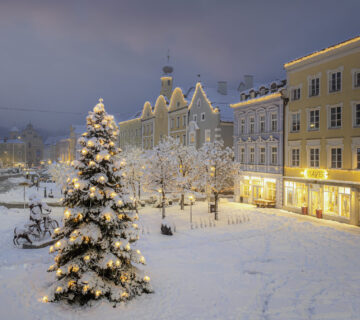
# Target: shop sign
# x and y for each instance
(319, 174)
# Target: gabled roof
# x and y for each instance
(220, 101)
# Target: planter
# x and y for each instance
(304, 210)
(319, 213)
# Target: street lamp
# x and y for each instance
(191, 198)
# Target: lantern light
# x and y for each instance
(147, 279)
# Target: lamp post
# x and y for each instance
(191, 198)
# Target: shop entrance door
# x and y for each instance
(315, 201)
(257, 192)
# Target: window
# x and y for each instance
(168, 82)
(262, 155)
(242, 126)
(242, 155)
(335, 81)
(295, 94)
(171, 123)
(252, 125)
(195, 117)
(336, 158)
(314, 119)
(314, 157)
(295, 194)
(207, 135)
(203, 116)
(184, 120)
(358, 158)
(252, 155)
(357, 115)
(198, 103)
(274, 122)
(178, 103)
(262, 123)
(184, 139)
(178, 122)
(335, 117)
(295, 122)
(295, 157)
(192, 138)
(274, 156)
(314, 87)
(356, 79)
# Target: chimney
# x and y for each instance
(249, 81)
(222, 87)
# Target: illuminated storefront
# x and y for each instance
(259, 187)
(336, 201)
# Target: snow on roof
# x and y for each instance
(52, 140)
(14, 129)
(222, 101)
(11, 141)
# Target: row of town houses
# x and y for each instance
(297, 141)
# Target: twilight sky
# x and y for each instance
(61, 56)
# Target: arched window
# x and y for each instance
(198, 103)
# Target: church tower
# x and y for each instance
(167, 80)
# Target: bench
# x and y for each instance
(262, 203)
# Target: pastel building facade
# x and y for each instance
(322, 133)
(258, 144)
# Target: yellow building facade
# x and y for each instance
(178, 116)
(322, 133)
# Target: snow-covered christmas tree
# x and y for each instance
(95, 256)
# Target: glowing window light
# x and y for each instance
(67, 213)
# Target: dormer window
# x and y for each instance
(252, 93)
(273, 87)
(262, 91)
(243, 96)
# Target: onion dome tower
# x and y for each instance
(167, 79)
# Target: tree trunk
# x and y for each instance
(216, 197)
(163, 205)
(182, 199)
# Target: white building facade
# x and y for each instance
(258, 145)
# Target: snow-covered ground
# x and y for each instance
(15, 192)
(265, 264)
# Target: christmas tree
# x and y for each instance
(95, 255)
